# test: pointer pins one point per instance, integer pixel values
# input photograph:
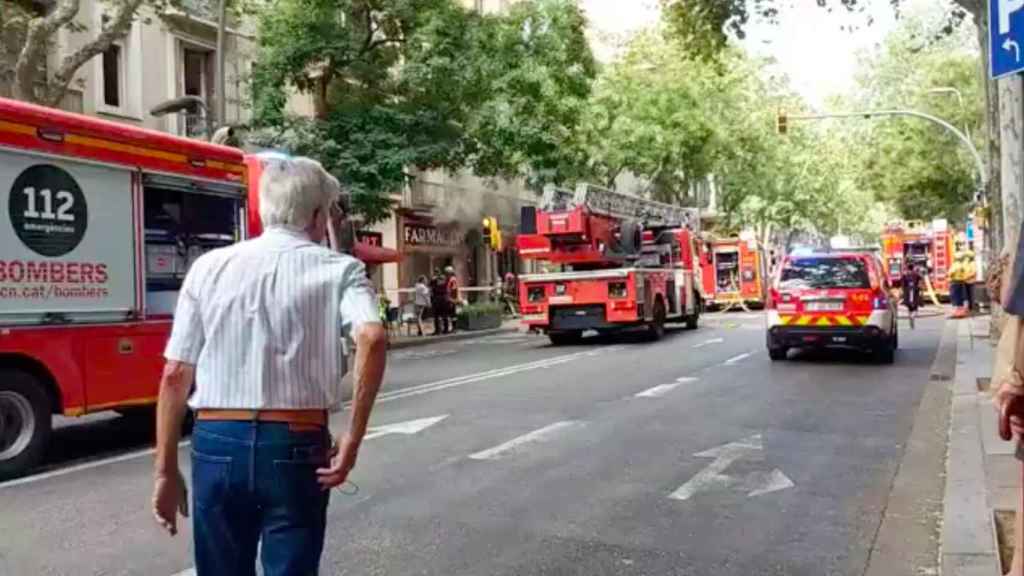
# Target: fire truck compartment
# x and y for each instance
(184, 219)
(586, 317)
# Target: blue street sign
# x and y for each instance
(1006, 36)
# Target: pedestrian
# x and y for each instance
(957, 286)
(439, 302)
(910, 287)
(1005, 282)
(421, 301)
(453, 295)
(259, 325)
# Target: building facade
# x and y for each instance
(164, 56)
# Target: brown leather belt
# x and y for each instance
(308, 417)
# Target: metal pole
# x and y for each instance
(959, 99)
(221, 115)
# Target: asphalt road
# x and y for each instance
(693, 455)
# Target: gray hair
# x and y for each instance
(292, 189)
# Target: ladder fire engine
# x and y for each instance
(627, 262)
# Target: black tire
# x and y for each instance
(693, 320)
(886, 352)
(656, 327)
(565, 338)
(778, 354)
(25, 423)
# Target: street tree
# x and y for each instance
(424, 84)
(29, 29)
(924, 171)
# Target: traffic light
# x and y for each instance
(781, 123)
(491, 233)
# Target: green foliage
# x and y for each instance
(704, 26)
(479, 309)
(424, 84)
(924, 171)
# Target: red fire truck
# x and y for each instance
(100, 222)
(626, 262)
(915, 243)
(733, 271)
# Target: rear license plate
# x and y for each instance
(839, 339)
(823, 306)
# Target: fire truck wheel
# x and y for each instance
(656, 329)
(778, 354)
(24, 422)
(567, 337)
(694, 319)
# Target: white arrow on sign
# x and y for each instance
(1010, 45)
(408, 428)
(713, 476)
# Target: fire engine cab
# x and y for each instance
(626, 262)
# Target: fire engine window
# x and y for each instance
(181, 227)
(727, 271)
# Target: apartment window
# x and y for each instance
(116, 78)
(113, 76)
(196, 80)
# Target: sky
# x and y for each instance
(809, 43)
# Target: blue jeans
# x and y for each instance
(254, 481)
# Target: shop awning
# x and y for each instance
(376, 254)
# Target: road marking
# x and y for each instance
(713, 475)
(85, 466)
(656, 391)
(709, 342)
(686, 379)
(471, 378)
(189, 572)
(407, 428)
(736, 359)
(540, 435)
(381, 398)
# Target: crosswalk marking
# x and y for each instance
(540, 435)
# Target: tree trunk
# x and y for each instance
(1011, 128)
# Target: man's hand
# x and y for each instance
(343, 460)
(169, 499)
(1009, 401)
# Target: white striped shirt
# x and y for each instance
(263, 321)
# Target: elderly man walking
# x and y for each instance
(259, 327)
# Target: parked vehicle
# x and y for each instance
(627, 263)
(100, 222)
(832, 299)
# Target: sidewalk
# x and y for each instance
(403, 340)
(981, 473)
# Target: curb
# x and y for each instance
(968, 541)
(905, 539)
(424, 341)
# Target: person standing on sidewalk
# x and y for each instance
(420, 302)
(453, 295)
(258, 324)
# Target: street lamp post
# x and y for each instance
(959, 98)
